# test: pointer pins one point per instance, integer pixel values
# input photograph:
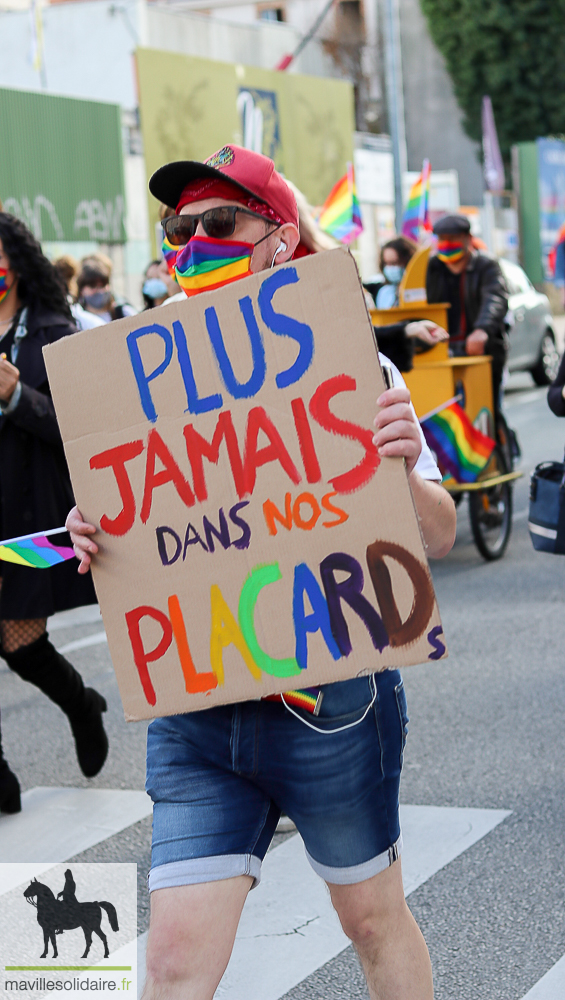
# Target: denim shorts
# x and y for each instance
(219, 780)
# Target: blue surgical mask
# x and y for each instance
(101, 299)
(393, 273)
(154, 288)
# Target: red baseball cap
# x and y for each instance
(252, 172)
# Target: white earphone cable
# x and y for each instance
(280, 249)
(340, 729)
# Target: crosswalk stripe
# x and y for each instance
(57, 823)
(551, 986)
(289, 929)
(88, 615)
(89, 640)
(16, 873)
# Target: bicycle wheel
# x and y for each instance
(490, 512)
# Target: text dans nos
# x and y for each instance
(173, 546)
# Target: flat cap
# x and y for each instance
(452, 224)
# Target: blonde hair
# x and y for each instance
(99, 261)
(67, 269)
(313, 238)
(165, 211)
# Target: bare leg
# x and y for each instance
(191, 935)
(386, 937)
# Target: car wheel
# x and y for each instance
(546, 367)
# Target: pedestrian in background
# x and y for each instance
(399, 341)
(394, 259)
(155, 288)
(95, 292)
(67, 268)
(35, 493)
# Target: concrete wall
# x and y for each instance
(89, 46)
(254, 43)
(300, 14)
(433, 117)
(87, 50)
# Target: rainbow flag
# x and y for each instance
(461, 450)
(341, 215)
(212, 263)
(35, 551)
(170, 254)
(309, 699)
(416, 214)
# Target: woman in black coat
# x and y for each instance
(35, 495)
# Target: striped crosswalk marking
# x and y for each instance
(551, 986)
(57, 823)
(89, 640)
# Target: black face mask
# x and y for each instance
(98, 300)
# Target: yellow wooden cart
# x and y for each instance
(437, 378)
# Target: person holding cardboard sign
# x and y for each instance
(220, 777)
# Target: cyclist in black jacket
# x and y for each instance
(474, 286)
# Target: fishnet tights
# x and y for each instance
(14, 634)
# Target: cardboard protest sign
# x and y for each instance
(251, 540)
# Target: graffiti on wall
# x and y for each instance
(92, 219)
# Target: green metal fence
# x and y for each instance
(61, 166)
(526, 179)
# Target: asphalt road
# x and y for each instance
(487, 730)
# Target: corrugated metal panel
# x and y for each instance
(529, 211)
(61, 166)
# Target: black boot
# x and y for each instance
(10, 800)
(41, 664)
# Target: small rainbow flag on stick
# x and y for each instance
(35, 551)
(341, 215)
(416, 214)
(461, 450)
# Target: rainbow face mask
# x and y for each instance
(4, 287)
(450, 251)
(170, 253)
(205, 264)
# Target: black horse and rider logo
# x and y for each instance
(54, 917)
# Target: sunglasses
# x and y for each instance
(218, 223)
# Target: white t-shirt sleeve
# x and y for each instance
(426, 465)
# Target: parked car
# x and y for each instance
(531, 330)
